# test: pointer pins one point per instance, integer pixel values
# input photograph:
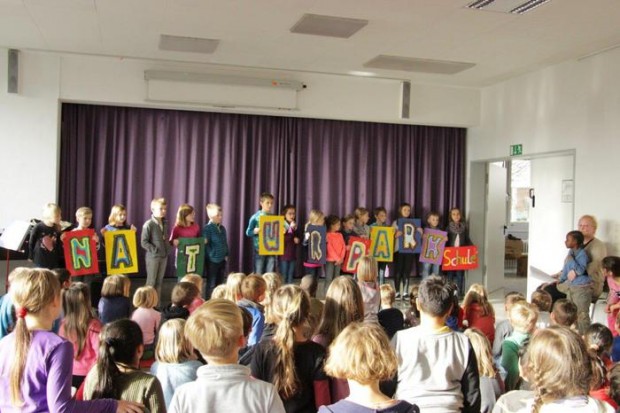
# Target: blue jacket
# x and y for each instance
(252, 224)
(576, 260)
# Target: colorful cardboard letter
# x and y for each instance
(358, 248)
(81, 252)
(410, 242)
(317, 244)
(460, 258)
(382, 243)
(121, 252)
(270, 235)
(190, 256)
(433, 244)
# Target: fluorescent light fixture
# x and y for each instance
(362, 74)
(223, 79)
(528, 6)
(478, 4)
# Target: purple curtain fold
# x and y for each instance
(130, 155)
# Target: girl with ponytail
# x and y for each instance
(36, 364)
(290, 361)
(117, 373)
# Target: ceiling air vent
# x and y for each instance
(331, 26)
(187, 44)
(506, 6)
(413, 64)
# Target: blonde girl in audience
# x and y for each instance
(367, 272)
(290, 361)
(362, 355)
(117, 373)
(479, 312)
(273, 281)
(317, 218)
(343, 305)
(197, 281)
(176, 363)
(145, 299)
(114, 303)
(220, 291)
(81, 328)
(491, 384)
(117, 220)
(233, 286)
(184, 227)
(37, 375)
(412, 314)
(45, 246)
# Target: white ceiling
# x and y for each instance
(255, 33)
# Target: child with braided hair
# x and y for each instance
(290, 361)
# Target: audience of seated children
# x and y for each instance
(154, 240)
(144, 300)
(564, 313)
(262, 263)
(412, 314)
(233, 286)
(290, 361)
(611, 270)
(114, 303)
(336, 250)
(222, 386)
(343, 305)
(367, 281)
(175, 361)
(491, 384)
(310, 284)
(542, 300)
(253, 290)
(246, 352)
(273, 282)
(81, 328)
(215, 237)
(37, 375)
(361, 355)
(117, 373)
(523, 317)
(503, 329)
(598, 339)
(197, 281)
(182, 296)
(390, 318)
(478, 311)
(437, 368)
(288, 260)
(456, 317)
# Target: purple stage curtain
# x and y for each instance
(126, 155)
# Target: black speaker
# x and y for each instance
(13, 79)
(406, 100)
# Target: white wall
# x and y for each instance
(573, 105)
(29, 121)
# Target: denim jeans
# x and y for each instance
(287, 271)
(428, 269)
(264, 263)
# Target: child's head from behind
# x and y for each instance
(64, 277)
(51, 214)
(361, 353)
(194, 279)
(482, 347)
(158, 207)
(115, 286)
(435, 297)
(552, 377)
(309, 284)
(380, 214)
(523, 317)
(361, 215)
(343, 305)
(185, 215)
(599, 339)
(511, 298)
(564, 313)
(84, 217)
(316, 217)
(266, 202)
(542, 300)
(611, 267)
(388, 295)
(272, 283)
(214, 212)
(332, 222)
(367, 269)
(118, 215)
(183, 293)
(215, 329)
(76, 304)
(574, 239)
(220, 291)
(145, 297)
(233, 286)
(172, 345)
(614, 383)
(253, 288)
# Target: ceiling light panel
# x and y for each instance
(330, 26)
(187, 44)
(412, 64)
(506, 6)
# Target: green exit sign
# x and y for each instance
(516, 150)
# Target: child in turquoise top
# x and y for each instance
(262, 263)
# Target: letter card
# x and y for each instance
(358, 247)
(270, 235)
(80, 251)
(433, 244)
(317, 244)
(121, 252)
(190, 256)
(382, 243)
(410, 242)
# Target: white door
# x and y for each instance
(495, 222)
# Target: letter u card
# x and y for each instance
(270, 235)
(121, 252)
(80, 251)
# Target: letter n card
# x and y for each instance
(121, 252)
(358, 248)
(270, 235)
(81, 252)
(410, 242)
(382, 243)
(433, 244)
(317, 244)
(190, 256)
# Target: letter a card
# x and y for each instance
(270, 235)
(121, 252)
(81, 252)
(433, 244)
(382, 243)
(410, 242)
(190, 256)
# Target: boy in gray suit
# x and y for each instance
(155, 241)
